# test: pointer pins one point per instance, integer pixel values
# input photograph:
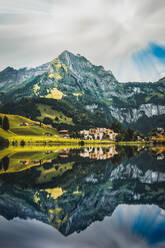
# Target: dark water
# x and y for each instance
(89, 197)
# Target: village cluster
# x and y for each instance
(98, 134)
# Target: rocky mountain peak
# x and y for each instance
(81, 66)
(73, 61)
(8, 70)
(66, 53)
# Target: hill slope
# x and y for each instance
(17, 127)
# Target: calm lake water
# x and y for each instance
(94, 197)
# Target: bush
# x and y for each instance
(116, 127)
(81, 143)
(47, 121)
(5, 162)
(0, 121)
(22, 143)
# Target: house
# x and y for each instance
(64, 133)
(160, 157)
(160, 130)
(36, 125)
(49, 125)
(84, 132)
(24, 162)
(98, 153)
(99, 133)
(49, 161)
(37, 162)
(64, 155)
(25, 124)
(86, 135)
(139, 138)
(112, 136)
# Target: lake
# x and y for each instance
(89, 197)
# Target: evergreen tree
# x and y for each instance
(0, 121)
(116, 126)
(22, 143)
(5, 123)
(129, 135)
(5, 162)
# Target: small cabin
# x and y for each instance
(25, 124)
(64, 133)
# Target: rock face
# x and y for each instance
(132, 115)
(74, 78)
(87, 77)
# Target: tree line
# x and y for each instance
(124, 134)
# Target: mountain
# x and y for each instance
(91, 94)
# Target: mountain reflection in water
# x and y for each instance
(72, 189)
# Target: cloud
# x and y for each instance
(108, 32)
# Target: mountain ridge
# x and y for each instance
(67, 53)
(74, 79)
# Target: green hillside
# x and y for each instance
(32, 129)
(57, 117)
(66, 113)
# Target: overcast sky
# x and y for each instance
(126, 36)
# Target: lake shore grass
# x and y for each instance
(35, 141)
(131, 143)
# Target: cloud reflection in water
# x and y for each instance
(130, 226)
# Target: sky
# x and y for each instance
(125, 36)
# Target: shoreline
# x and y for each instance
(49, 141)
(36, 141)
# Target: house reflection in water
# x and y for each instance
(64, 154)
(98, 153)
